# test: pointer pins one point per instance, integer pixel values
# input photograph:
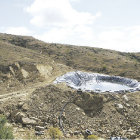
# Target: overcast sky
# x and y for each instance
(111, 24)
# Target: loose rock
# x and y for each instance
(28, 121)
(39, 128)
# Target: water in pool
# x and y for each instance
(102, 86)
(98, 82)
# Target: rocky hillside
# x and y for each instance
(82, 58)
(33, 103)
(20, 67)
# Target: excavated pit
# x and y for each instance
(98, 82)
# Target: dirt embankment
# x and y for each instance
(104, 114)
(21, 75)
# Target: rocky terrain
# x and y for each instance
(32, 103)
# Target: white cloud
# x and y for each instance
(75, 35)
(17, 30)
(58, 13)
(75, 0)
(125, 39)
(61, 23)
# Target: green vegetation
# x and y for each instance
(55, 133)
(94, 137)
(5, 131)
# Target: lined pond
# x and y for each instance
(98, 82)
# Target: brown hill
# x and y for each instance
(82, 58)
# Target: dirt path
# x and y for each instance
(23, 93)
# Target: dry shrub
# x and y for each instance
(55, 133)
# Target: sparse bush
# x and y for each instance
(5, 131)
(55, 133)
(104, 68)
(94, 137)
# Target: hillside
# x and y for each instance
(20, 67)
(83, 58)
(29, 98)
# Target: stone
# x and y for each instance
(128, 105)
(130, 130)
(25, 107)
(8, 125)
(125, 98)
(108, 131)
(39, 132)
(82, 127)
(71, 132)
(24, 73)
(36, 119)
(28, 121)
(77, 132)
(83, 113)
(20, 104)
(119, 106)
(39, 128)
(19, 116)
(132, 136)
(77, 108)
(120, 122)
(68, 135)
(7, 114)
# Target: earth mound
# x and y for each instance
(104, 114)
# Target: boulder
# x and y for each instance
(28, 121)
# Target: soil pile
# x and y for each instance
(104, 114)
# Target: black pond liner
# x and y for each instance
(98, 82)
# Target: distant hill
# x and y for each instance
(79, 57)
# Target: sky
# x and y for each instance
(109, 24)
